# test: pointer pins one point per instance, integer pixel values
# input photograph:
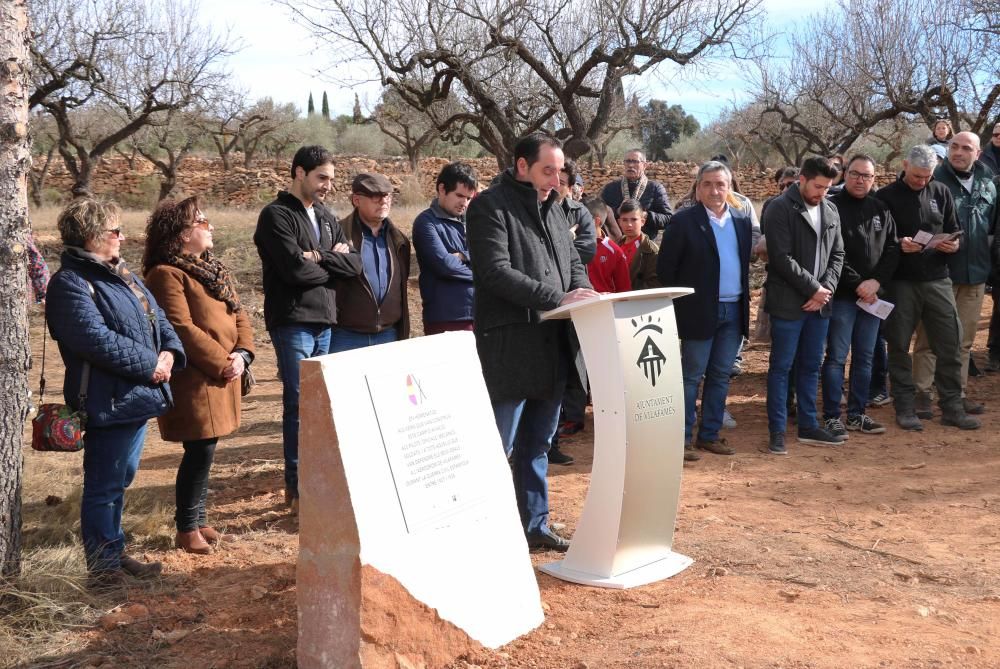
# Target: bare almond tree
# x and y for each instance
(15, 156)
(166, 142)
(513, 65)
(411, 129)
(864, 62)
(133, 59)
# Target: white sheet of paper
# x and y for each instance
(878, 308)
(922, 237)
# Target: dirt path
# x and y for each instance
(881, 553)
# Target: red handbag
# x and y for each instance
(58, 427)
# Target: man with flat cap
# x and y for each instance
(372, 307)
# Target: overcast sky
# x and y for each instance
(280, 60)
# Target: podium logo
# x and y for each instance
(414, 390)
(651, 358)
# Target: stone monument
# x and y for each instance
(408, 522)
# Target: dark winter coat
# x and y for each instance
(654, 200)
(297, 290)
(445, 280)
(931, 209)
(791, 254)
(523, 263)
(585, 237)
(689, 257)
(871, 250)
(112, 331)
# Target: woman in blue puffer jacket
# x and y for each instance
(111, 331)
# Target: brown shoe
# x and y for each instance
(212, 535)
(107, 582)
(192, 542)
(973, 408)
(140, 569)
(690, 455)
(719, 447)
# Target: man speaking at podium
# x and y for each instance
(707, 247)
(524, 263)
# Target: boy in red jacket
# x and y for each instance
(609, 270)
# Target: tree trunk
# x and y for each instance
(36, 179)
(15, 158)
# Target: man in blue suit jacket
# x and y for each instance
(707, 247)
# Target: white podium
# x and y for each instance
(625, 534)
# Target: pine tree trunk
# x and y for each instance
(15, 159)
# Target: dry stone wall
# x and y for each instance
(243, 187)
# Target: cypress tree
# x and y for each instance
(358, 119)
(326, 107)
(311, 107)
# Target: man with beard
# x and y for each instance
(302, 250)
(805, 256)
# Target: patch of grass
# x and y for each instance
(40, 610)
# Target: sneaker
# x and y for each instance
(974, 408)
(836, 428)
(728, 422)
(140, 569)
(864, 425)
(909, 421)
(817, 435)
(557, 457)
(736, 370)
(924, 406)
(719, 447)
(776, 444)
(547, 540)
(690, 455)
(880, 400)
(962, 421)
(569, 428)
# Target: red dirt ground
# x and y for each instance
(883, 552)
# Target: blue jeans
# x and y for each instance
(526, 429)
(854, 330)
(110, 460)
(713, 359)
(802, 342)
(292, 344)
(347, 340)
(879, 384)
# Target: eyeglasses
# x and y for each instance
(201, 223)
(858, 175)
(378, 196)
(633, 161)
(116, 232)
(996, 134)
(785, 185)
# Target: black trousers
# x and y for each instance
(192, 484)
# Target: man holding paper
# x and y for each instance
(921, 290)
(975, 196)
(871, 253)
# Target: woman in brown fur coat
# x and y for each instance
(198, 295)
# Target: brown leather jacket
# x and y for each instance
(357, 309)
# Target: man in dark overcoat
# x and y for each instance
(525, 264)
